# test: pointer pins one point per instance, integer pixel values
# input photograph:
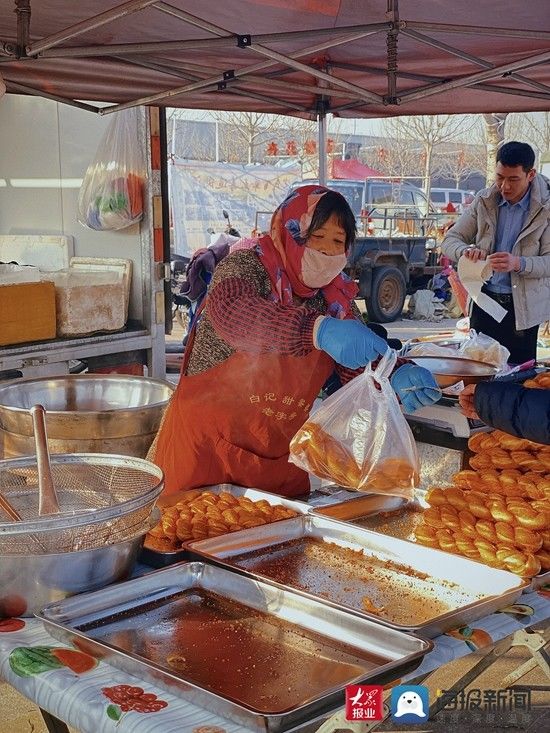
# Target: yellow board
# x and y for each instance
(27, 312)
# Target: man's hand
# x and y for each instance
(504, 262)
(474, 254)
(466, 401)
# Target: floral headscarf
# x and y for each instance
(281, 253)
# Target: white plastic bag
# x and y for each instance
(480, 347)
(111, 194)
(359, 439)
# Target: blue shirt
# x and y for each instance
(510, 221)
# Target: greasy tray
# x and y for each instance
(360, 507)
(400, 523)
(158, 559)
(263, 656)
(400, 583)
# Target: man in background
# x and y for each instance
(509, 225)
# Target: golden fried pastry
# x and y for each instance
(467, 479)
(543, 556)
(467, 523)
(480, 461)
(511, 442)
(520, 563)
(466, 547)
(426, 535)
(198, 515)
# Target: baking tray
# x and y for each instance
(420, 589)
(400, 522)
(158, 559)
(356, 509)
(298, 651)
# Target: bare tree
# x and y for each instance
(245, 130)
(429, 132)
(495, 123)
(530, 127)
(460, 162)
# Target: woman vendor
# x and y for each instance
(278, 320)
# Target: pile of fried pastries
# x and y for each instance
(499, 512)
(326, 458)
(200, 514)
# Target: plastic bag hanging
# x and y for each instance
(359, 439)
(111, 194)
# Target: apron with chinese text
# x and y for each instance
(233, 422)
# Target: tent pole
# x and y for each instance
(86, 25)
(220, 77)
(472, 79)
(23, 12)
(428, 41)
(322, 145)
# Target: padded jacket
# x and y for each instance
(515, 409)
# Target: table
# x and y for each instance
(79, 698)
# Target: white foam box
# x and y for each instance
(89, 301)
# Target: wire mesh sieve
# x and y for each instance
(103, 499)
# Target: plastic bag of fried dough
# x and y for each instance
(359, 439)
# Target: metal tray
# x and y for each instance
(158, 559)
(357, 509)
(400, 523)
(421, 589)
(538, 581)
(294, 639)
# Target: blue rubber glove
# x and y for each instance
(349, 342)
(415, 387)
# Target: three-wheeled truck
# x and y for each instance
(387, 268)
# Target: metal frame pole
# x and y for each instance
(86, 25)
(471, 79)
(220, 78)
(322, 146)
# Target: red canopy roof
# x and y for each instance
(371, 58)
(353, 169)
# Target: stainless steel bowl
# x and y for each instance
(85, 413)
(450, 370)
(29, 582)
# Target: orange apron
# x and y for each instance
(233, 423)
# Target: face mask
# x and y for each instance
(319, 269)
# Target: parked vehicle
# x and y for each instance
(395, 251)
(380, 204)
(459, 198)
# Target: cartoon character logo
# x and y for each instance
(410, 703)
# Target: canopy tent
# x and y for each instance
(354, 58)
(352, 169)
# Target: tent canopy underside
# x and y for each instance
(354, 58)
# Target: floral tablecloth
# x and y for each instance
(97, 698)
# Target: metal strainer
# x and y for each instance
(103, 499)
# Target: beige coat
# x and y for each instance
(477, 225)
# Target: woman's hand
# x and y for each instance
(466, 401)
(415, 387)
(349, 342)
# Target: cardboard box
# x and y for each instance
(27, 313)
